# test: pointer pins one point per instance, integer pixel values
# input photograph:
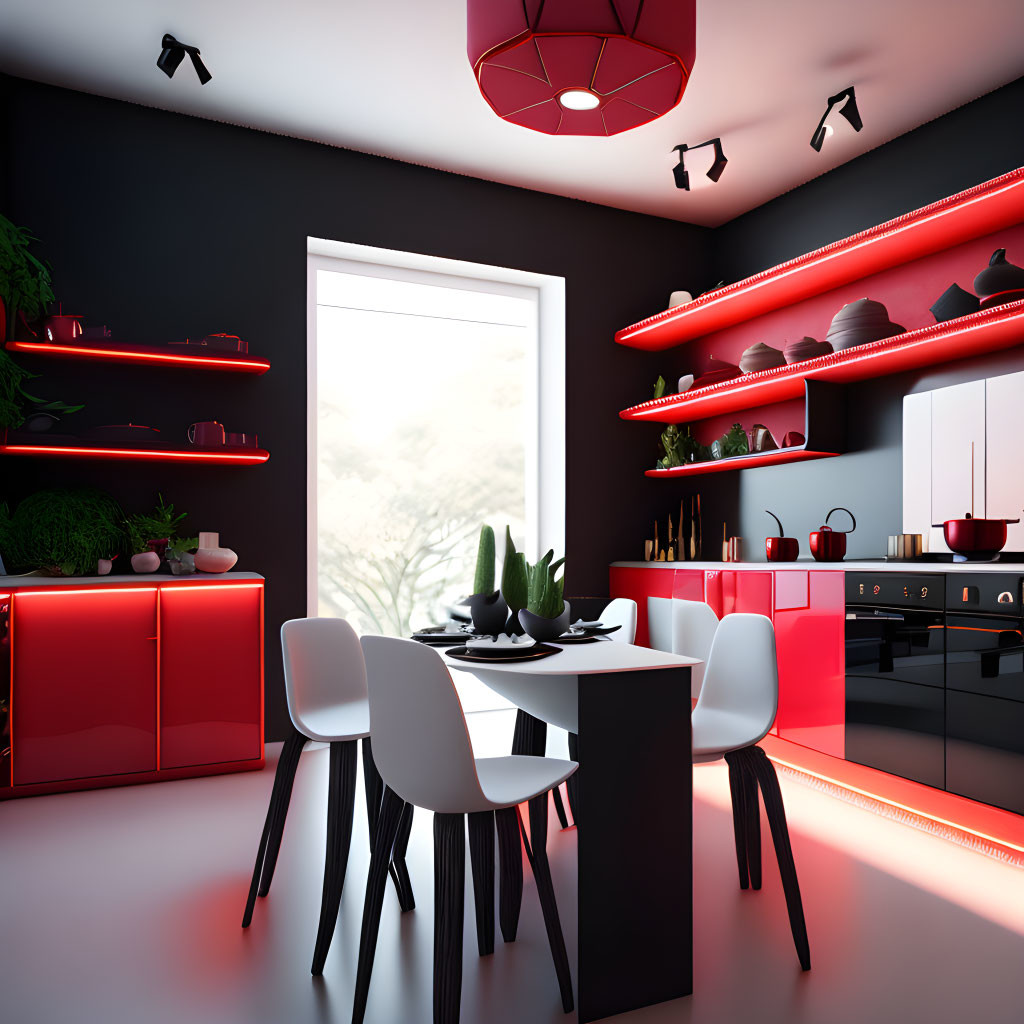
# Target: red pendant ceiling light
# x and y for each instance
(581, 67)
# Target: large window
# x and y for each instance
(436, 404)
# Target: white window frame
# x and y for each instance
(545, 441)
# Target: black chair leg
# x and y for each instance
(510, 860)
(374, 786)
(391, 810)
(340, 806)
(273, 827)
(737, 790)
(537, 854)
(399, 869)
(449, 899)
(752, 805)
(563, 821)
(572, 784)
(764, 771)
(481, 852)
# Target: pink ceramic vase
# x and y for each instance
(211, 557)
(146, 561)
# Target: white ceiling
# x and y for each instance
(392, 77)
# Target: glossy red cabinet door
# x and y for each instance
(83, 677)
(812, 665)
(640, 584)
(211, 673)
(738, 590)
(688, 584)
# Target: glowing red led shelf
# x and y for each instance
(959, 218)
(117, 352)
(219, 457)
(742, 462)
(985, 331)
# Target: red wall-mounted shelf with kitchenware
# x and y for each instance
(824, 430)
(185, 356)
(950, 222)
(985, 331)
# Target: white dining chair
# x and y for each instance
(621, 611)
(683, 627)
(736, 708)
(423, 751)
(325, 686)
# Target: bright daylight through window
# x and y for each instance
(426, 415)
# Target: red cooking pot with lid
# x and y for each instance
(982, 538)
(828, 545)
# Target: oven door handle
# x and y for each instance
(990, 659)
(888, 617)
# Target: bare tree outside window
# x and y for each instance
(420, 427)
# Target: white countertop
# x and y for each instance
(164, 579)
(860, 565)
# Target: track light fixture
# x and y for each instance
(848, 110)
(714, 172)
(172, 55)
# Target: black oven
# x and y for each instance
(985, 688)
(895, 674)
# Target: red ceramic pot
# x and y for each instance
(781, 549)
(982, 538)
(62, 329)
(828, 545)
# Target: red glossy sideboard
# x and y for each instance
(130, 679)
(807, 607)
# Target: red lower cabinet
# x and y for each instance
(738, 590)
(211, 651)
(83, 681)
(809, 641)
(640, 584)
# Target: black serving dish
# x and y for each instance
(504, 655)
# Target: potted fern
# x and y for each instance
(486, 605)
(25, 288)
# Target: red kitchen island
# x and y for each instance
(110, 681)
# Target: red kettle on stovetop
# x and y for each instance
(828, 545)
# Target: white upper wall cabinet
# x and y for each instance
(958, 451)
(917, 465)
(1004, 477)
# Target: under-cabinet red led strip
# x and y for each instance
(140, 354)
(221, 458)
(951, 221)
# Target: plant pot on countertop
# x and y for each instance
(211, 557)
(541, 629)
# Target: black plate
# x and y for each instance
(577, 640)
(598, 630)
(532, 654)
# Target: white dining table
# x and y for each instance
(629, 707)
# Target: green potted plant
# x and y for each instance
(13, 398)
(546, 615)
(65, 531)
(152, 537)
(486, 604)
(515, 583)
(25, 284)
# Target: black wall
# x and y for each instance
(969, 145)
(164, 226)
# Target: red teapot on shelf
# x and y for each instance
(828, 545)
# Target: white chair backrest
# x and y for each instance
(694, 625)
(620, 612)
(742, 675)
(420, 741)
(659, 623)
(323, 666)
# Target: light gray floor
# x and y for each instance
(124, 905)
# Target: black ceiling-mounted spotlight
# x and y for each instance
(848, 110)
(172, 55)
(714, 172)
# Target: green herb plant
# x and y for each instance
(13, 396)
(659, 386)
(25, 283)
(681, 448)
(160, 524)
(483, 578)
(65, 531)
(730, 444)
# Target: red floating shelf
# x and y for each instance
(218, 457)
(986, 331)
(959, 218)
(772, 458)
(119, 352)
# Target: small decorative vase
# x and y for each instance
(761, 357)
(860, 322)
(999, 276)
(954, 302)
(211, 557)
(542, 629)
(685, 383)
(103, 566)
(182, 566)
(146, 561)
(680, 298)
(805, 348)
(489, 612)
